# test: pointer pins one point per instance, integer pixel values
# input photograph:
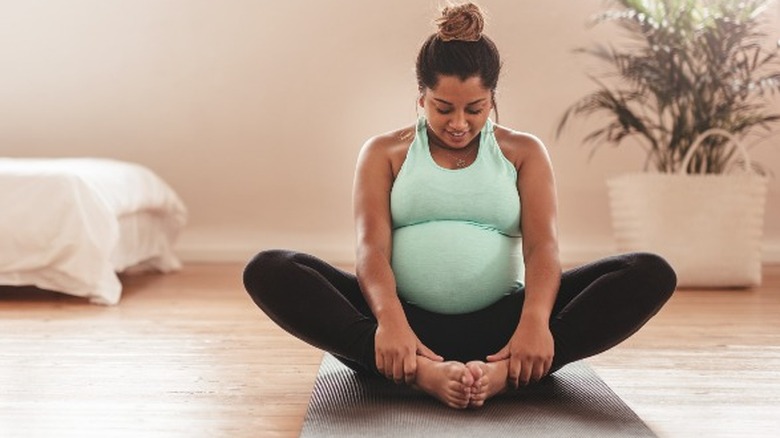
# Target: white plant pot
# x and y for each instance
(708, 227)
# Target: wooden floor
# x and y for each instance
(189, 355)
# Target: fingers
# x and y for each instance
(395, 368)
(503, 354)
(521, 373)
(524, 372)
(542, 370)
(387, 368)
(400, 368)
(539, 369)
(410, 369)
(513, 377)
(424, 351)
(385, 365)
(380, 363)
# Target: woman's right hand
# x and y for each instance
(397, 348)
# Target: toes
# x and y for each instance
(476, 404)
(457, 400)
(460, 391)
(477, 399)
(476, 370)
(466, 378)
(457, 405)
(454, 385)
(480, 375)
(478, 395)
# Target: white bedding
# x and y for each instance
(70, 225)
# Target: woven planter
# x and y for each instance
(708, 227)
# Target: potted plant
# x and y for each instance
(691, 81)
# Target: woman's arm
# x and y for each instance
(396, 344)
(531, 348)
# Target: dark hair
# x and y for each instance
(459, 49)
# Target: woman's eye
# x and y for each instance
(473, 112)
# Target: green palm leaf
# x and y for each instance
(685, 66)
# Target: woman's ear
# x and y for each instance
(421, 100)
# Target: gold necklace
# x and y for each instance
(460, 162)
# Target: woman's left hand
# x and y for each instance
(530, 352)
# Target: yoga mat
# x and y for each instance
(573, 402)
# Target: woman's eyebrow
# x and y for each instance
(449, 103)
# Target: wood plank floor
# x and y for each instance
(188, 354)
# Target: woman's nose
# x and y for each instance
(458, 122)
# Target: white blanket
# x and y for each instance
(70, 225)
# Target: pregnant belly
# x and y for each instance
(455, 267)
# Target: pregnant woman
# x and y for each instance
(458, 288)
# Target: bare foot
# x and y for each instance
(489, 380)
(450, 382)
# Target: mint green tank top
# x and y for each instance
(456, 232)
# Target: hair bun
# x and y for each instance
(461, 23)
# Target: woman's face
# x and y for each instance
(456, 110)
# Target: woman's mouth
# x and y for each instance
(457, 136)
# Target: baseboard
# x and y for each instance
(577, 254)
(234, 247)
(771, 252)
(220, 254)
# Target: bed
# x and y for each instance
(71, 224)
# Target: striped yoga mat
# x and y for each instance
(574, 402)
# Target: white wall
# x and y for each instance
(254, 111)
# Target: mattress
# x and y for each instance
(71, 224)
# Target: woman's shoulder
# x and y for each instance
(389, 147)
(518, 145)
(391, 140)
(516, 139)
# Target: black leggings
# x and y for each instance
(598, 306)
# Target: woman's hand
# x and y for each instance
(397, 348)
(530, 352)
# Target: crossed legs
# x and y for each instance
(598, 306)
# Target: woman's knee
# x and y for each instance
(658, 271)
(265, 270)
